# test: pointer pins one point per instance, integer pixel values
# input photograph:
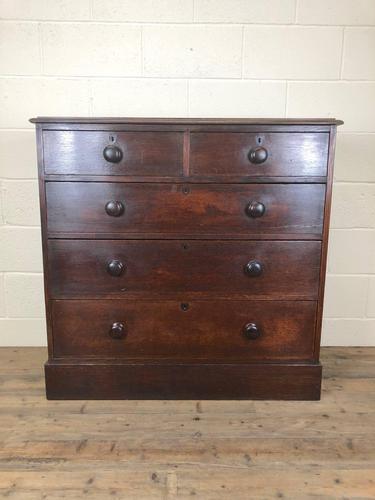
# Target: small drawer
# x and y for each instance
(118, 153)
(277, 154)
(200, 210)
(205, 330)
(152, 268)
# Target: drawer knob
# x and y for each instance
(258, 155)
(251, 331)
(117, 331)
(113, 154)
(254, 268)
(255, 209)
(114, 208)
(115, 267)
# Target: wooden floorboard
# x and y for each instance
(188, 449)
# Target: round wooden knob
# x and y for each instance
(117, 331)
(251, 331)
(114, 208)
(254, 268)
(113, 154)
(255, 209)
(258, 155)
(115, 267)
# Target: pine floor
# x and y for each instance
(188, 449)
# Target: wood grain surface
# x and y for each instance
(144, 153)
(195, 331)
(84, 120)
(209, 450)
(198, 209)
(165, 268)
(290, 154)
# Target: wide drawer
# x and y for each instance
(271, 269)
(266, 155)
(194, 209)
(127, 153)
(212, 330)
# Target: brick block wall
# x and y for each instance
(244, 58)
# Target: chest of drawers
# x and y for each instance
(184, 258)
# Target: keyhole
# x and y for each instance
(112, 138)
(184, 306)
(259, 140)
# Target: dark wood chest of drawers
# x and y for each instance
(184, 258)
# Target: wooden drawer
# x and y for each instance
(211, 330)
(283, 154)
(141, 153)
(154, 268)
(195, 209)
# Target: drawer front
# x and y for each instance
(194, 209)
(117, 153)
(266, 155)
(271, 269)
(212, 330)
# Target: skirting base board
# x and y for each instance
(68, 379)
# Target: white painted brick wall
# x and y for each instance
(2, 296)
(223, 58)
(20, 203)
(292, 52)
(370, 305)
(244, 11)
(20, 249)
(21, 98)
(336, 12)
(353, 101)
(192, 51)
(242, 98)
(143, 11)
(40, 10)
(24, 296)
(131, 97)
(353, 206)
(90, 49)
(359, 54)
(17, 154)
(19, 49)
(354, 161)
